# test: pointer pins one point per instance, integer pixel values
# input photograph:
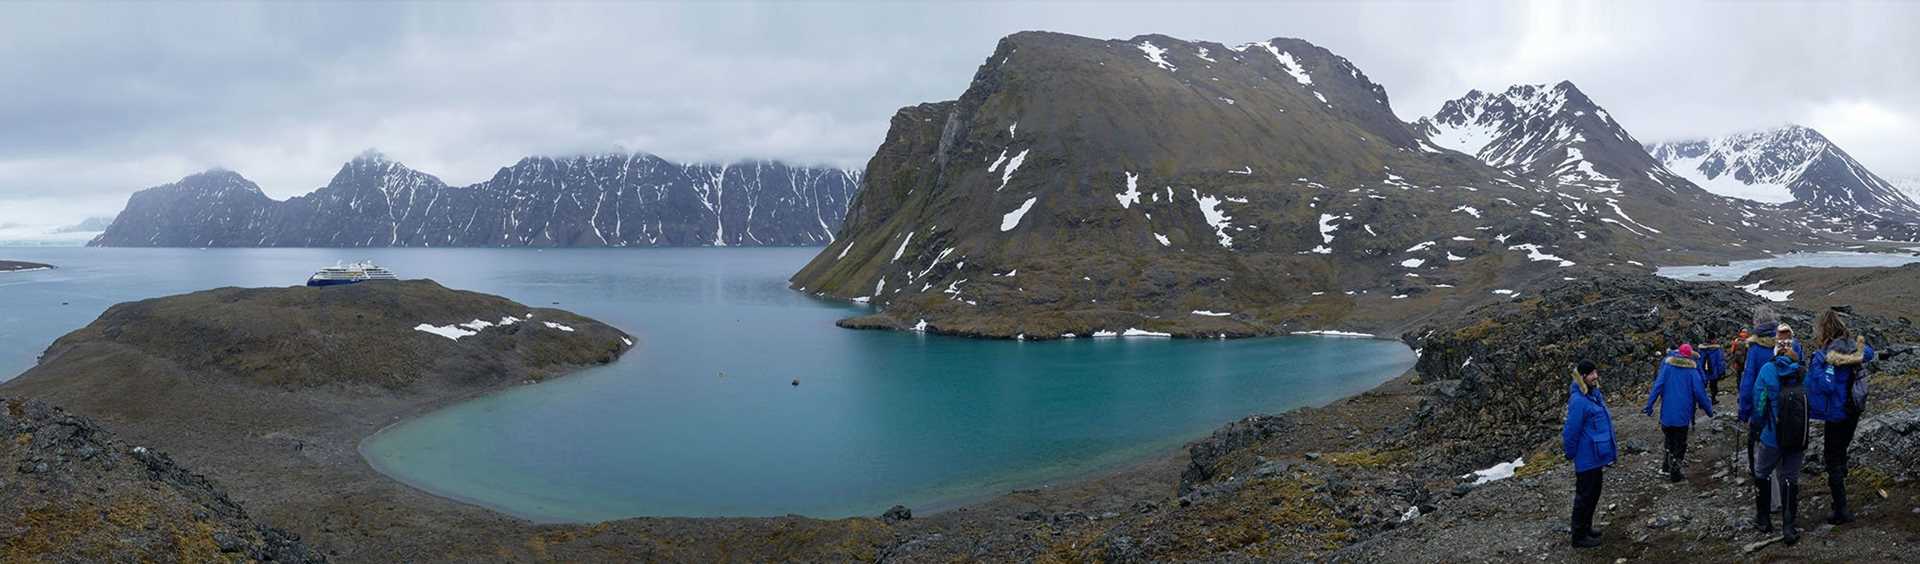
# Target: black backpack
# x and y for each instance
(1790, 425)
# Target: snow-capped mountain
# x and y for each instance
(1557, 138)
(1787, 165)
(1155, 185)
(586, 201)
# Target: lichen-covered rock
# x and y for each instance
(80, 495)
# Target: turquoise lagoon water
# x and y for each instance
(701, 419)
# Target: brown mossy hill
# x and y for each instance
(72, 492)
(12, 265)
(358, 334)
(272, 390)
(1892, 292)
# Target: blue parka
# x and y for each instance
(1713, 361)
(1759, 351)
(1767, 392)
(1679, 387)
(1587, 436)
(1848, 395)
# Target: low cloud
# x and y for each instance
(107, 99)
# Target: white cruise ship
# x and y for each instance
(349, 274)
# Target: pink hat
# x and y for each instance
(1686, 350)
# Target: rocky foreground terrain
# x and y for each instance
(74, 493)
(14, 265)
(1376, 477)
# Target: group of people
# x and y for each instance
(1782, 388)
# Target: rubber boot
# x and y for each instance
(1789, 510)
(1837, 480)
(1762, 501)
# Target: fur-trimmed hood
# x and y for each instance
(1761, 341)
(1681, 361)
(1846, 352)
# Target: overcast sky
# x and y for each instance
(99, 100)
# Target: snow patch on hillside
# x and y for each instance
(1012, 218)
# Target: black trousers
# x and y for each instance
(1676, 443)
(1586, 497)
(1713, 390)
(1839, 438)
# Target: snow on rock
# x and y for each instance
(1211, 313)
(1012, 218)
(1104, 334)
(449, 331)
(1201, 52)
(1155, 55)
(903, 247)
(997, 162)
(920, 327)
(1334, 333)
(1534, 254)
(1419, 247)
(1132, 195)
(1294, 68)
(552, 325)
(1499, 471)
(1131, 332)
(1012, 165)
(1454, 258)
(1164, 242)
(1413, 263)
(629, 342)
(1210, 208)
(1770, 295)
(1469, 210)
(1246, 170)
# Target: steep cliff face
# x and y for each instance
(217, 208)
(586, 201)
(1082, 186)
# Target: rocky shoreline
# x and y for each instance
(22, 266)
(1374, 477)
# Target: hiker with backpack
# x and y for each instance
(1836, 395)
(1587, 438)
(1767, 332)
(1681, 387)
(1780, 410)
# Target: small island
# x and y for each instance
(22, 266)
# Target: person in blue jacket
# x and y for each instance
(1760, 347)
(1780, 408)
(1838, 400)
(1759, 351)
(1587, 439)
(1680, 385)
(1713, 364)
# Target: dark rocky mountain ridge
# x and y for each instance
(585, 201)
(1160, 186)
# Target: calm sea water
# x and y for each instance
(1736, 269)
(701, 418)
